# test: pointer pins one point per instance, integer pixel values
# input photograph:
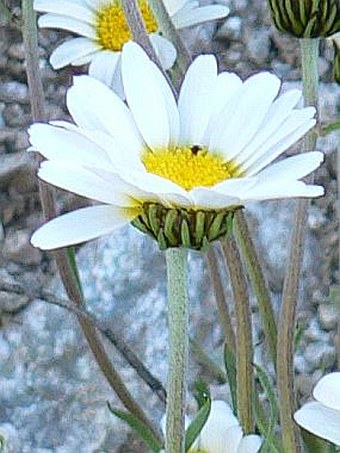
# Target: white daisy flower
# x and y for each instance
(103, 31)
(175, 170)
(322, 417)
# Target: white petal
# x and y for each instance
(185, 18)
(327, 391)
(209, 198)
(233, 438)
(150, 98)
(250, 444)
(85, 183)
(81, 225)
(65, 8)
(295, 167)
(320, 420)
(194, 99)
(50, 20)
(61, 144)
(94, 106)
(173, 6)
(238, 125)
(71, 51)
(294, 128)
(272, 123)
(165, 50)
(104, 67)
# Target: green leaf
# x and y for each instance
(315, 444)
(200, 392)
(145, 434)
(268, 429)
(330, 128)
(230, 366)
(197, 424)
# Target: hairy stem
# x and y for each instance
(244, 349)
(287, 324)
(178, 349)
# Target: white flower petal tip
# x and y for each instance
(222, 430)
(81, 225)
(322, 417)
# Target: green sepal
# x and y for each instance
(170, 220)
(143, 431)
(229, 224)
(197, 424)
(154, 220)
(137, 223)
(199, 226)
(185, 233)
(162, 244)
(215, 227)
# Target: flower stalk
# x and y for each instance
(244, 348)
(287, 323)
(176, 259)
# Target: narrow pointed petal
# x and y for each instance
(194, 99)
(72, 50)
(327, 391)
(145, 86)
(65, 8)
(188, 18)
(320, 420)
(81, 225)
(50, 20)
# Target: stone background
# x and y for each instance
(52, 396)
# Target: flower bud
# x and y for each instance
(306, 18)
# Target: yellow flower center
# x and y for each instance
(190, 167)
(111, 26)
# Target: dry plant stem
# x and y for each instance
(222, 307)
(176, 259)
(70, 283)
(286, 332)
(258, 281)
(169, 31)
(244, 350)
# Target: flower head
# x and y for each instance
(306, 18)
(177, 171)
(103, 30)
(322, 417)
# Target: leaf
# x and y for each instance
(268, 431)
(201, 391)
(197, 424)
(330, 128)
(230, 365)
(139, 427)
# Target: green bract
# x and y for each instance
(306, 18)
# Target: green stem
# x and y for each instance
(258, 281)
(178, 349)
(286, 332)
(244, 349)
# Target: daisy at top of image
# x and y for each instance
(103, 31)
(173, 169)
(322, 417)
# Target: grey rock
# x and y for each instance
(329, 315)
(14, 92)
(18, 248)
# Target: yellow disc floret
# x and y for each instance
(189, 167)
(111, 26)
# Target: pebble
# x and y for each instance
(17, 248)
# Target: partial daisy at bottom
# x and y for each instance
(175, 170)
(322, 416)
(103, 30)
(222, 433)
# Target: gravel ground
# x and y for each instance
(245, 43)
